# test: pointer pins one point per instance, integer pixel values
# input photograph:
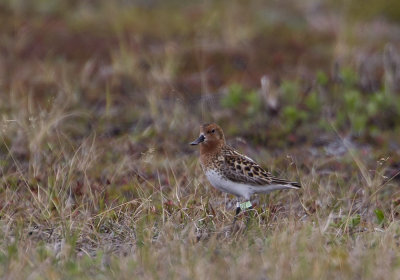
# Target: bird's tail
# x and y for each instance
(295, 185)
(292, 185)
(277, 187)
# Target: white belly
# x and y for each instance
(222, 184)
(239, 189)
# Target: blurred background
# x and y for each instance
(126, 63)
(99, 100)
(279, 75)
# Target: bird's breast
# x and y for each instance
(215, 178)
(218, 181)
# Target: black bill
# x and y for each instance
(198, 140)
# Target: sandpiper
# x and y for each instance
(234, 173)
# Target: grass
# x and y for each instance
(100, 101)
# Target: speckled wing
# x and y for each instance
(242, 169)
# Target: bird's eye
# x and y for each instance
(212, 131)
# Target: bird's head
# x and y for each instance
(210, 135)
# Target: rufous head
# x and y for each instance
(211, 135)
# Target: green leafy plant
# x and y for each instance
(290, 92)
(355, 221)
(292, 116)
(234, 97)
(380, 216)
(238, 98)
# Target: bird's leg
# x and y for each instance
(237, 213)
(246, 205)
(241, 207)
(238, 208)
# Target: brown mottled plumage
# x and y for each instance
(242, 169)
(232, 172)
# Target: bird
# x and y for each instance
(231, 172)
